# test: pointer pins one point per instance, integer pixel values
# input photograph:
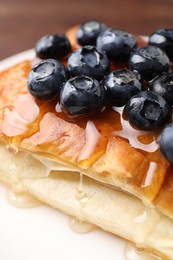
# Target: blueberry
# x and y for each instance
(120, 86)
(148, 110)
(81, 96)
(88, 61)
(117, 44)
(46, 78)
(149, 61)
(89, 31)
(163, 38)
(53, 46)
(166, 142)
(163, 85)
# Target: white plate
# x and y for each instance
(44, 233)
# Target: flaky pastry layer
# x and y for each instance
(112, 210)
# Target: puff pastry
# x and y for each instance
(127, 184)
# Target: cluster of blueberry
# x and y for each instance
(145, 88)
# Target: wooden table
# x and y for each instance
(22, 23)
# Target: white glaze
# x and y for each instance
(132, 134)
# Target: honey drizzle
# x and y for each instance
(81, 196)
(23, 200)
(132, 134)
(92, 138)
(150, 175)
(132, 252)
(81, 227)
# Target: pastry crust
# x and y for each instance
(92, 146)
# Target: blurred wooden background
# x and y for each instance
(22, 23)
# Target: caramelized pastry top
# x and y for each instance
(104, 146)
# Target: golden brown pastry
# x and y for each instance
(127, 184)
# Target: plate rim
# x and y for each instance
(17, 58)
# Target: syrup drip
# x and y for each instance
(150, 175)
(134, 253)
(132, 134)
(143, 223)
(81, 195)
(92, 138)
(12, 149)
(81, 227)
(76, 224)
(23, 200)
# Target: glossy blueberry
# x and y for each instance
(149, 61)
(163, 38)
(163, 85)
(46, 78)
(120, 86)
(148, 110)
(89, 31)
(53, 46)
(88, 61)
(166, 142)
(117, 44)
(81, 96)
